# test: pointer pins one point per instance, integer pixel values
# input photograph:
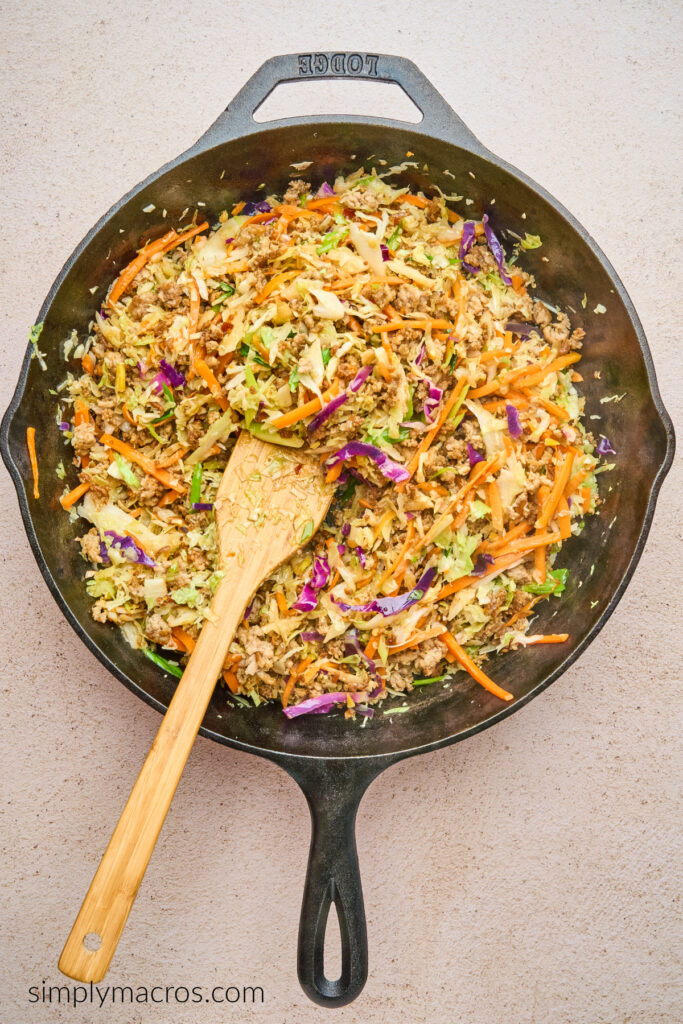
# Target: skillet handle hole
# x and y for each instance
(332, 949)
(368, 99)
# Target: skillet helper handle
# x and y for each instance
(112, 891)
(333, 791)
(439, 118)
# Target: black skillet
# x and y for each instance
(333, 760)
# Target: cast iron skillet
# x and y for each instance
(333, 760)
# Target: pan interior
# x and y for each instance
(566, 269)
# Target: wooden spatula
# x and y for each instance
(270, 501)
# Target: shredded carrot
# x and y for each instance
(384, 519)
(529, 375)
(295, 673)
(170, 460)
(411, 325)
(31, 444)
(183, 639)
(585, 493)
(564, 518)
(194, 306)
(67, 500)
(518, 283)
(334, 473)
(275, 282)
(555, 410)
(231, 680)
(88, 363)
(207, 375)
(407, 197)
(521, 614)
(547, 638)
(238, 207)
(496, 506)
(322, 203)
(127, 414)
(464, 659)
(81, 412)
(529, 543)
(431, 434)
(288, 419)
(478, 474)
(398, 561)
(129, 273)
(501, 563)
(168, 241)
(190, 233)
(371, 646)
(142, 461)
(501, 542)
(540, 553)
(532, 376)
(576, 481)
(416, 639)
(281, 603)
(562, 474)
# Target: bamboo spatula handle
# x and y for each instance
(118, 877)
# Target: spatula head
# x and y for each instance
(270, 502)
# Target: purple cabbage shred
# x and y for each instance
(326, 412)
(393, 605)
(249, 209)
(466, 243)
(604, 447)
(128, 548)
(323, 703)
(387, 467)
(360, 378)
(496, 249)
(481, 565)
(514, 426)
(473, 455)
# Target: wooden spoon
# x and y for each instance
(270, 502)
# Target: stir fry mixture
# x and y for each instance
(405, 349)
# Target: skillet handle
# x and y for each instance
(439, 118)
(333, 790)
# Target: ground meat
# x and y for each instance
(150, 491)
(297, 188)
(541, 314)
(90, 547)
(259, 653)
(83, 438)
(139, 304)
(434, 210)
(558, 333)
(193, 431)
(158, 630)
(171, 294)
(382, 295)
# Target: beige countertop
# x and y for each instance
(527, 875)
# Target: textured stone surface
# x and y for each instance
(527, 875)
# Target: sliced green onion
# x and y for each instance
(196, 485)
(430, 679)
(168, 666)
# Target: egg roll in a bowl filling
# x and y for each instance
(403, 348)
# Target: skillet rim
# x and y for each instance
(289, 759)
